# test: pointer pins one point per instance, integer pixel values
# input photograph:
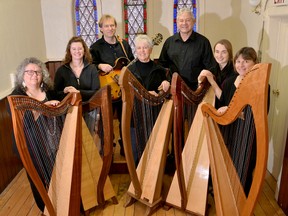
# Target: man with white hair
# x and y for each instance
(187, 52)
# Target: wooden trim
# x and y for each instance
(10, 163)
(52, 67)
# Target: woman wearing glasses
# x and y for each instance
(33, 80)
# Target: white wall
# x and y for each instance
(226, 19)
(58, 23)
(230, 19)
(42, 29)
(21, 36)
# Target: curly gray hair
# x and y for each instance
(46, 79)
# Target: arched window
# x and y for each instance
(86, 20)
(178, 4)
(135, 19)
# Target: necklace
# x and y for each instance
(29, 94)
(40, 96)
(50, 126)
(77, 68)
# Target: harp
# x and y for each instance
(230, 170)
(43, 134)
(97, 150)
(151, 118)
(188, 190)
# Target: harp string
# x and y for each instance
(239, 189)
(240, 140)
(94, 123)
(144, 117)
(40, 134)
(190, 180)
(42, 146)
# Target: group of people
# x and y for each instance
(186, 52)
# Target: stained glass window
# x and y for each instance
(86, 20)
(178, 4)
(135, 19)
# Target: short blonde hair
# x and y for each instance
(104, 18)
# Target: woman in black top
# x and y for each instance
(224, 68)
(153, 78)
(233, 134)
(33, 80)
(77, 72)
(148, 73)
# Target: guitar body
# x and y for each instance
(112, 77)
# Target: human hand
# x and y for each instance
(153, 93)
(105, 68)
(241, 116)
(52, 102)
(165, 85)
(207, 74)
(70, 89)
(222, 109)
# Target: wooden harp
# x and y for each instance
(49, 143)
(97, 150)
(188, 190)
(230, 158)
(151, 117)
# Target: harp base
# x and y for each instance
(100, 206)
(150, 207)
(167, 206)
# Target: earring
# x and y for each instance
(24, 84)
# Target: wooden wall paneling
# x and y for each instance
(52, 67)
(10, 163)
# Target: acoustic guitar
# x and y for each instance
(111, 78)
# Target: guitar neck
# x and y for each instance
(132, 62)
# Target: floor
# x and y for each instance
(17, 199)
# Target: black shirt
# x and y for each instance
(228, 90)
(221, 77)
(149, 74)
(88, 82)
(188, 58)
(105, 53)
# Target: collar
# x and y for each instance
(191, 38)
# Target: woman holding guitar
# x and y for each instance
(110, 53)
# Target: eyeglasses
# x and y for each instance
(32, 72)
